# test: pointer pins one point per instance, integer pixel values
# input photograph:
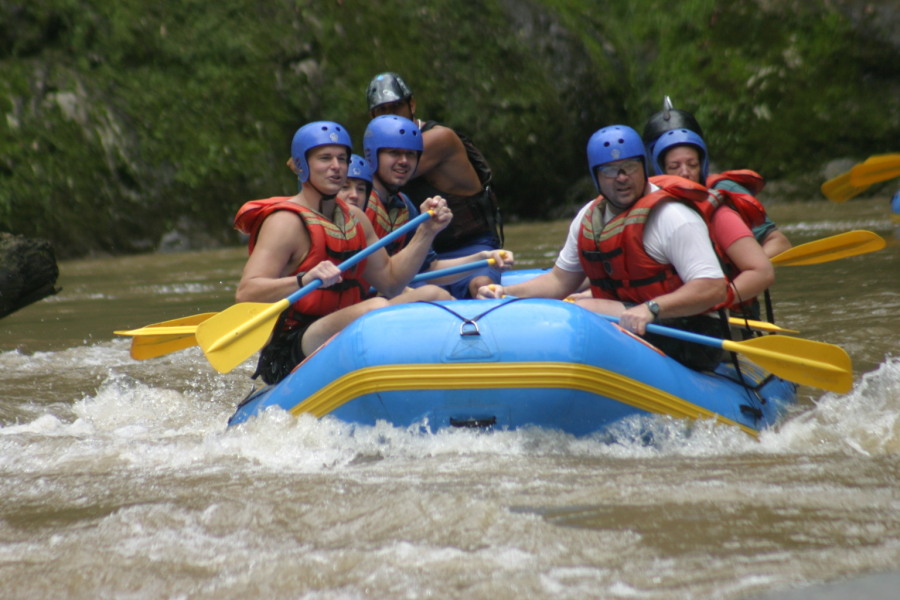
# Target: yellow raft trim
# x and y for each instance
(551, 375)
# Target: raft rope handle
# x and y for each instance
(754, 396)
(473, 322)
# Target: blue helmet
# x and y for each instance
(359, 168)
(616, 142)
(680, 137)
(390, 131)
(313, 135)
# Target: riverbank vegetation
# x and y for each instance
(129, 123)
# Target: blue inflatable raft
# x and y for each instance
(508, 364)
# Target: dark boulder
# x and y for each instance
(28, 272)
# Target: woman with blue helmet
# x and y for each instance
(683, 153)
(743, 181)
(298, 239)
(358, 186)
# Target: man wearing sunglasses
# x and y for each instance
(646, 252)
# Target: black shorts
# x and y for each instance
(690, 354)
(283, 352)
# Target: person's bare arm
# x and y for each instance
(282, 244)
(445, 164)
(693, 298)
(390, 274)
(776, 243)
(555, 283)
(756, 271)
(503, 261)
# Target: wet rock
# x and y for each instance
(28, 272)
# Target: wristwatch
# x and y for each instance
(654, 308)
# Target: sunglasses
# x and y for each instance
(628, 167)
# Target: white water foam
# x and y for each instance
(130, 421)
(864, 421)
(839, 226)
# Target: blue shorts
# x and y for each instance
(460, 289)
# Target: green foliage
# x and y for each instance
(125, 120)
(781, 87)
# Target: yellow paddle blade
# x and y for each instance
(831, 248)
(806, 362)
(152, 346)
(759, 325)
(235, 334)
(840, 189)
(150, 330)
(876, 168)
(163, 338)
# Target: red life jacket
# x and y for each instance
(753, 181)
(751, 210)
(335, 241)
(386, 219)
(745, 205)
(613, 255)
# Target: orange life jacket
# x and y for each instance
(751, 210)
(385, 219)
(335, 241)
(748, 207)
(753, 181)
(613, 255)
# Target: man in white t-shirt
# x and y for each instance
(674, 236)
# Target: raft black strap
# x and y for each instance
(473, 322)
(598, 256)
(610, 285)
(769, 310)
(752, 410)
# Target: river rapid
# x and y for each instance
(119, 478)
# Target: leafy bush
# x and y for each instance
(127, 120)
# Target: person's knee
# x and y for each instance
(434, 292)
(431, 293)
(376, 303)
(479, 281)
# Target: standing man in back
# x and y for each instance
(450, 167)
